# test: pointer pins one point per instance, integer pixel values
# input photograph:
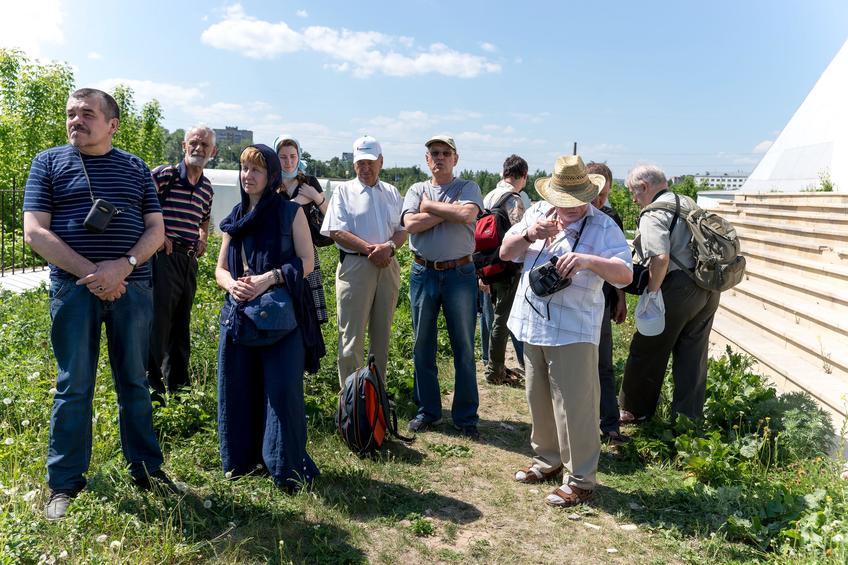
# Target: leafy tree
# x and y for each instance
(621, 200)
(174, 146)
(140, 134)
(32, 111)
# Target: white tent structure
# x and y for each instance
(815, 141)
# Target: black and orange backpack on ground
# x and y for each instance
(366, 415)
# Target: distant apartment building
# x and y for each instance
(232, 135)
(724, 181)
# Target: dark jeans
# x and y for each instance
(606, 375)
(454, 291)
(174, 286)
(689, 312)
(261, 410)
(77, 318)
(502, 294)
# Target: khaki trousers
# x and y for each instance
(563, 392)
(365, 296)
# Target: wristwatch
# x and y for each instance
(393, 246)
(525, 235)
(133, 261)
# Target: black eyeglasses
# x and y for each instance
(437, 154)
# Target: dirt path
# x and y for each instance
(479, 513)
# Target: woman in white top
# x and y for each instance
(561, 329)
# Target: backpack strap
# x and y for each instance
(673, 209)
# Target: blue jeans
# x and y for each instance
(455, 292)
(77, 318)
(487, 318)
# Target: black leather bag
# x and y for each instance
(262, 321)
(640, 280)
(315, 218)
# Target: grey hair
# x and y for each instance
(648, 174)
(200, 127)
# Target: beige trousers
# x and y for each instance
(365, 296)
(563, 392)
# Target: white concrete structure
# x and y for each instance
(225, 184)
(814, 142)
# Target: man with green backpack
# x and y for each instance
(691, 255)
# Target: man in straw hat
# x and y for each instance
(561, 330)
(439, 215)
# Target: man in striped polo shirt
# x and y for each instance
(98, 274)
(186, 198)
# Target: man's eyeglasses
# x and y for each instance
(437, 154)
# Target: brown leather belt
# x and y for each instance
(180, 248)
(443, 265)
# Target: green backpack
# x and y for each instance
(715, 246)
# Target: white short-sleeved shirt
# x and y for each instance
(576, 312)
(371, 213)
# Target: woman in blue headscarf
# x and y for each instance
(305, 190)
(261, 410)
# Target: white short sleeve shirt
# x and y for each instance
(371, 213)
(576, 312)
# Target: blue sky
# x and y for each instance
(691, 86)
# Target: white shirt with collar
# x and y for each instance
(371, 213)
(576, 312)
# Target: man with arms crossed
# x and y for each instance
(95, 278)
(439, 215)
(363, 218)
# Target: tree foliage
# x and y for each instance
(32, 111)
(140, 133)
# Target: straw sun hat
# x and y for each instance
(570, 184)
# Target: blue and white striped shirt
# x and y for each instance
(57, 185)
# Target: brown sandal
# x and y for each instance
(575, 497)
(533, 475)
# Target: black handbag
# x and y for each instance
(315, 218)
(262, 321)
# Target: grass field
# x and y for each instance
(751, 484)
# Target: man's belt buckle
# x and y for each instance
(191, 252)
(441, 265)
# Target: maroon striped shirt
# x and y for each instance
(186, 206)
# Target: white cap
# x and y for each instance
(650, 314)
(366, 147)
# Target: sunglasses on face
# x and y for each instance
(437, 154)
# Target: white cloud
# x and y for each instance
(31, 24)
(146, 90)
(489, 47)
(302, 14)
(94, 55)
(762, 146)
(361, 53)
(250, 36)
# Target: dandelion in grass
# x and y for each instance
(52, 391)
(29, 496)
(34, 375)
(207, 504)
(9, 441)
(102, 538)
(25, 423)
(7, 401)
(115, 546)
(63, 554)
(228, 475)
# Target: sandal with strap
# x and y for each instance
(532, 474)
(513, 378)
(562, 499)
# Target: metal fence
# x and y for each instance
(15, 255)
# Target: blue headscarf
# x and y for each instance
(301, 166)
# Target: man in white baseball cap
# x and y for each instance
(364, 220)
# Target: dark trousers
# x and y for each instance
(261, 410)
(502, 294)
(174, 285)
(606, 375)
(689, 312)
